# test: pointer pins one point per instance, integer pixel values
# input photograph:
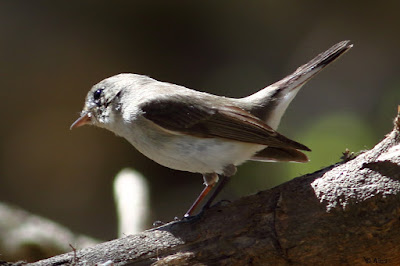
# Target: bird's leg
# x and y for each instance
(224, 180)
(229, 171)
(209, 180)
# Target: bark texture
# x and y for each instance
(347, 213)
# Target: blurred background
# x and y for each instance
(52, 53)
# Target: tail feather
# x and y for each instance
(271, 154)
(270, 103)
(307, 71)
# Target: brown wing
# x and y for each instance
(280, 155)
(192, 117)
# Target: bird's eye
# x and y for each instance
(97, 94)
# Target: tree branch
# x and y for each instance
(346, 213)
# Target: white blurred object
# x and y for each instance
(131, 196)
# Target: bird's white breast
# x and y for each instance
(184, 152)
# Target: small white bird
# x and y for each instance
(199, 132)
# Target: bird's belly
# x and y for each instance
(192, 154)
(206, 155)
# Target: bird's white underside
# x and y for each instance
(201, 155)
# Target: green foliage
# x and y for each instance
(329, 137)
(386, 108)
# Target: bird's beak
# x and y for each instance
(81, 121)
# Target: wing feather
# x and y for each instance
(196, 118)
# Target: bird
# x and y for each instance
(198, 132)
